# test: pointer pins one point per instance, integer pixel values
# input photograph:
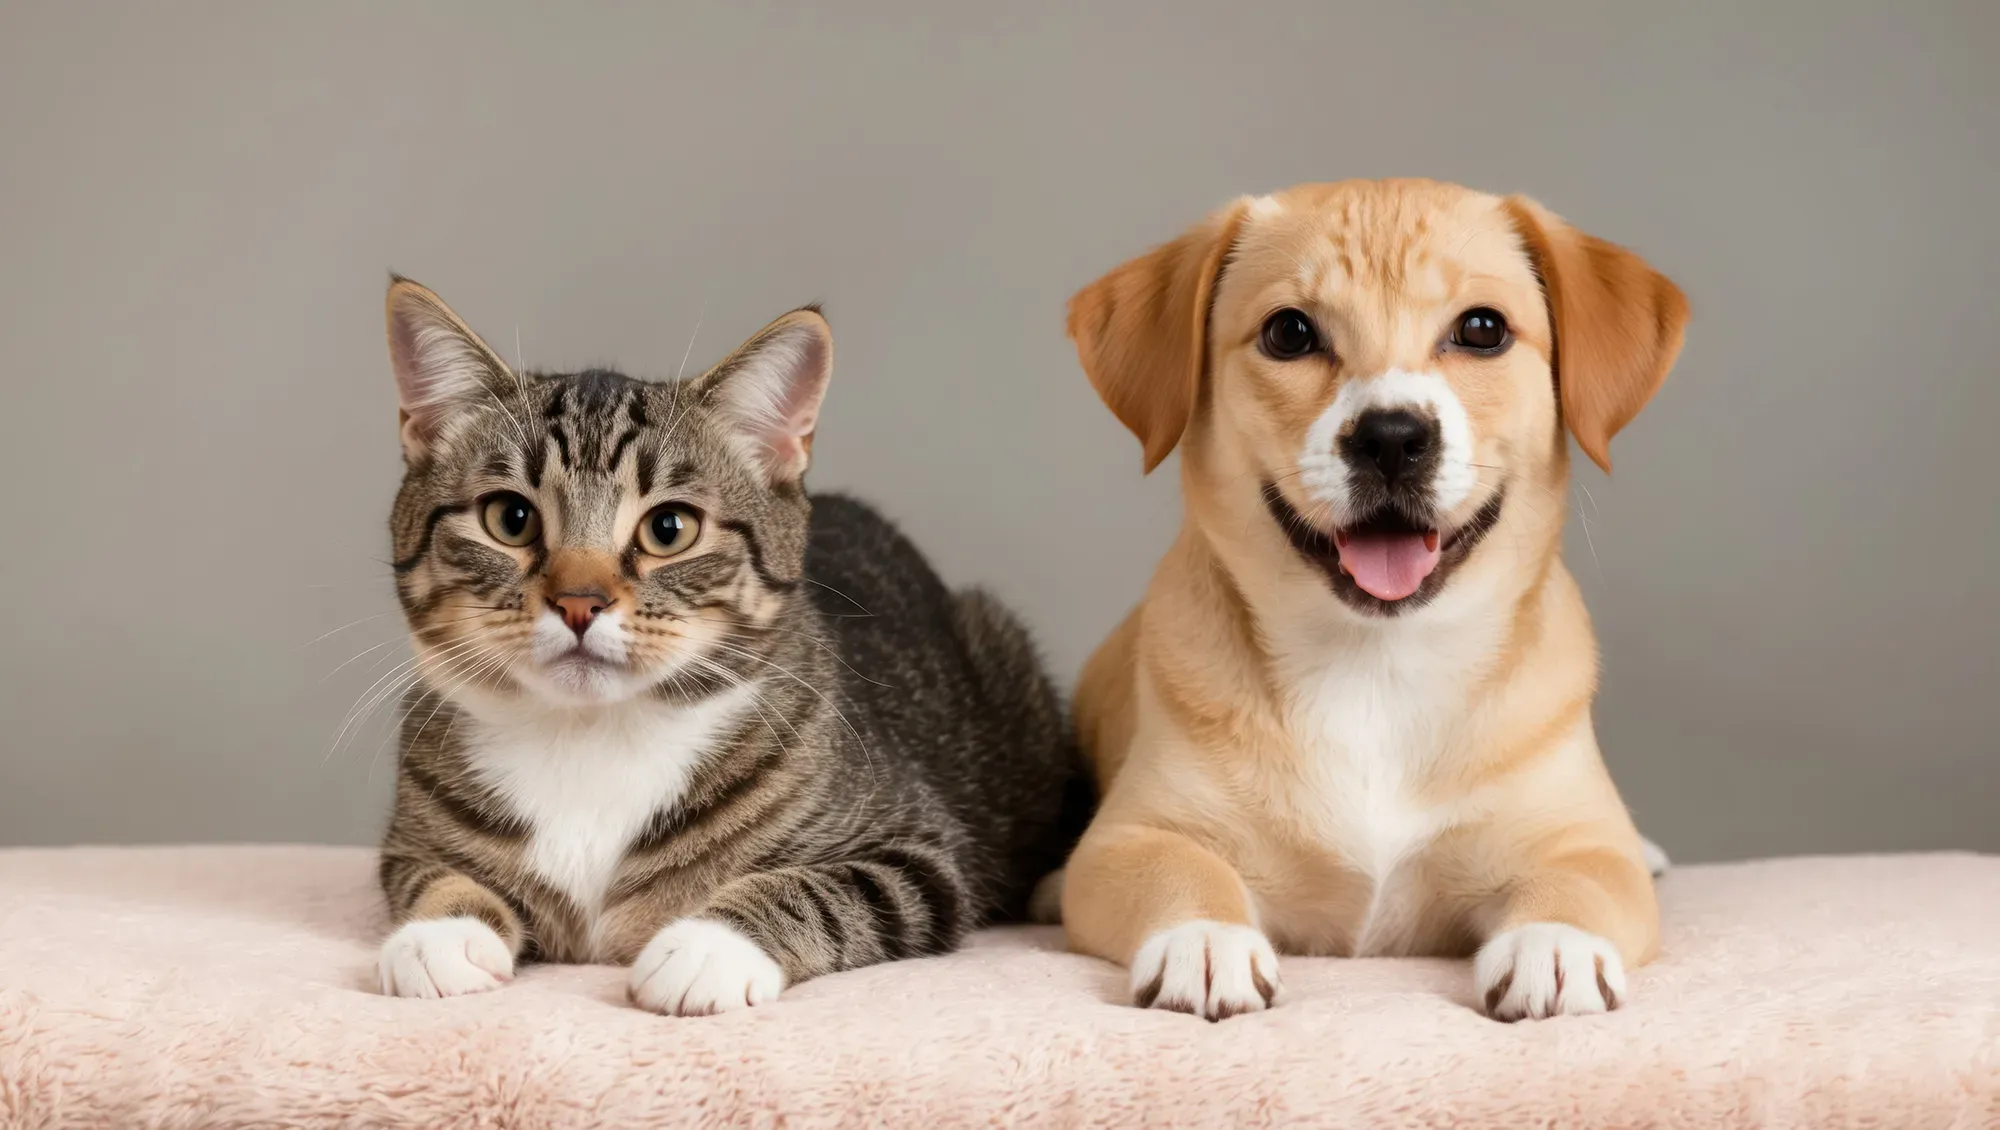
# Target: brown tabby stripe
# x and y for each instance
(771, 581)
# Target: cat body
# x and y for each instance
(674, 711)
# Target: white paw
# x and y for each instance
(1548, 969)
(1655, 857)
(1212, 969)
(444, 957)
(697, 967)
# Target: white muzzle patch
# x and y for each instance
(1324, 473)
(588, 670)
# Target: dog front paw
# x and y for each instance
(444, 957)
(1547, 969)
(699, 967)
(1214, 970)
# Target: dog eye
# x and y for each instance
(1482, 329)
(1288, 334)
(669, 530)
(510, 519)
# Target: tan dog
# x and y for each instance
(1352, 714)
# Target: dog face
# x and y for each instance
(1389, 362)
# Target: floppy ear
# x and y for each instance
(1142, 331)
(769, 390)
(1618, 325)
(442, 368)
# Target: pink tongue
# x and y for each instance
(1388, 566)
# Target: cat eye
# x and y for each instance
(1288, 335)
(510, 519)
(669, 530)
(1481, 329)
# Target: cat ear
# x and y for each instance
(442, 368)
(768, 391)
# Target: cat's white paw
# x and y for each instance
(444, 957)
(699, 967)
(1214, 970)
(1547, 969)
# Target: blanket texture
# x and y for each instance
(172, 987)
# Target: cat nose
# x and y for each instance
(579, 609)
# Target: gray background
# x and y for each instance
(1793, 571)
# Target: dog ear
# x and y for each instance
(1142, 331)
(1618, 325)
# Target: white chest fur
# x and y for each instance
(587, 782)
(1373, 711)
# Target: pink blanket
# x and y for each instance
(235, 987)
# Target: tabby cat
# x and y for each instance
(673, 711)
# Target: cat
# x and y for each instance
(675, 712)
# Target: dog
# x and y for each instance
(1352, 713)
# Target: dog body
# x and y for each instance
(1352, 714)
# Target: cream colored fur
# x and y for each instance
(1280, 760)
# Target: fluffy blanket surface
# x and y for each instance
(235, 986)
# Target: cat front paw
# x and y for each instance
(1545, 969)
(699, 967)
(444, 957)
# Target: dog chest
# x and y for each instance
(1363, 754)
(1368, 727)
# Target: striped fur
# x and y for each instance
(810, 739)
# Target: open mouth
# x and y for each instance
(1388, 561)
(1388, 556)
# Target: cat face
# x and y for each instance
(589, 538)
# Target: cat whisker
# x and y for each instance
(830, 704)
(360, 654)
(757, 699)
(393, 682)
(822, 585)
(689, 351)
(344, 627)
(370, 698)
(487, 659)
(818, 643)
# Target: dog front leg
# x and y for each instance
(1563, 935)
(1173, 912)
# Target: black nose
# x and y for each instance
(1392, 442)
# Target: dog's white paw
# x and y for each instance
(444, 957)
(1547, 969)
(1655, 856)
(1214, 970)
(699, 967)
